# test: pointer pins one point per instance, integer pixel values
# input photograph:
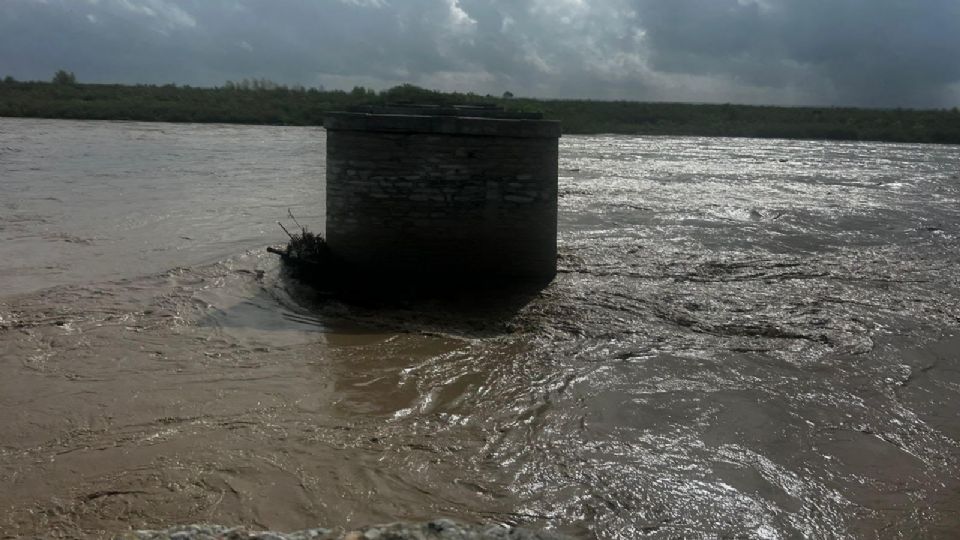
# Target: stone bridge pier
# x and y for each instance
(452, 193)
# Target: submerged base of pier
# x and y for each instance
(309, 260)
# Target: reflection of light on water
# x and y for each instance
(736, 345)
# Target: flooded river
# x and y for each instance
(747, 338)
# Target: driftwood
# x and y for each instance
(303, 248)
(308, 258)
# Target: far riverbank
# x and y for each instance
(265, 103)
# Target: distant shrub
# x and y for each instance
(64, 77)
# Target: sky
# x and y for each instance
(886, 53)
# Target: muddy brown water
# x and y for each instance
(747, 338)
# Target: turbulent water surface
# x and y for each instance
(747, 337)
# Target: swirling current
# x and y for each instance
(747, 338)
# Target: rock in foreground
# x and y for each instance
(435, 530)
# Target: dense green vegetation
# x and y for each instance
(263, 102)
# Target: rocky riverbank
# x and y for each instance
(434, 530)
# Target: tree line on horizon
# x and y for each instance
(261, 101)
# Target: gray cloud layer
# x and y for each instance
(834, 52)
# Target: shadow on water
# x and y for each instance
(374, 304)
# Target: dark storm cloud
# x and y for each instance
(876, 52)
(861, 51)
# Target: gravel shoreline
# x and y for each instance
(441, 529)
